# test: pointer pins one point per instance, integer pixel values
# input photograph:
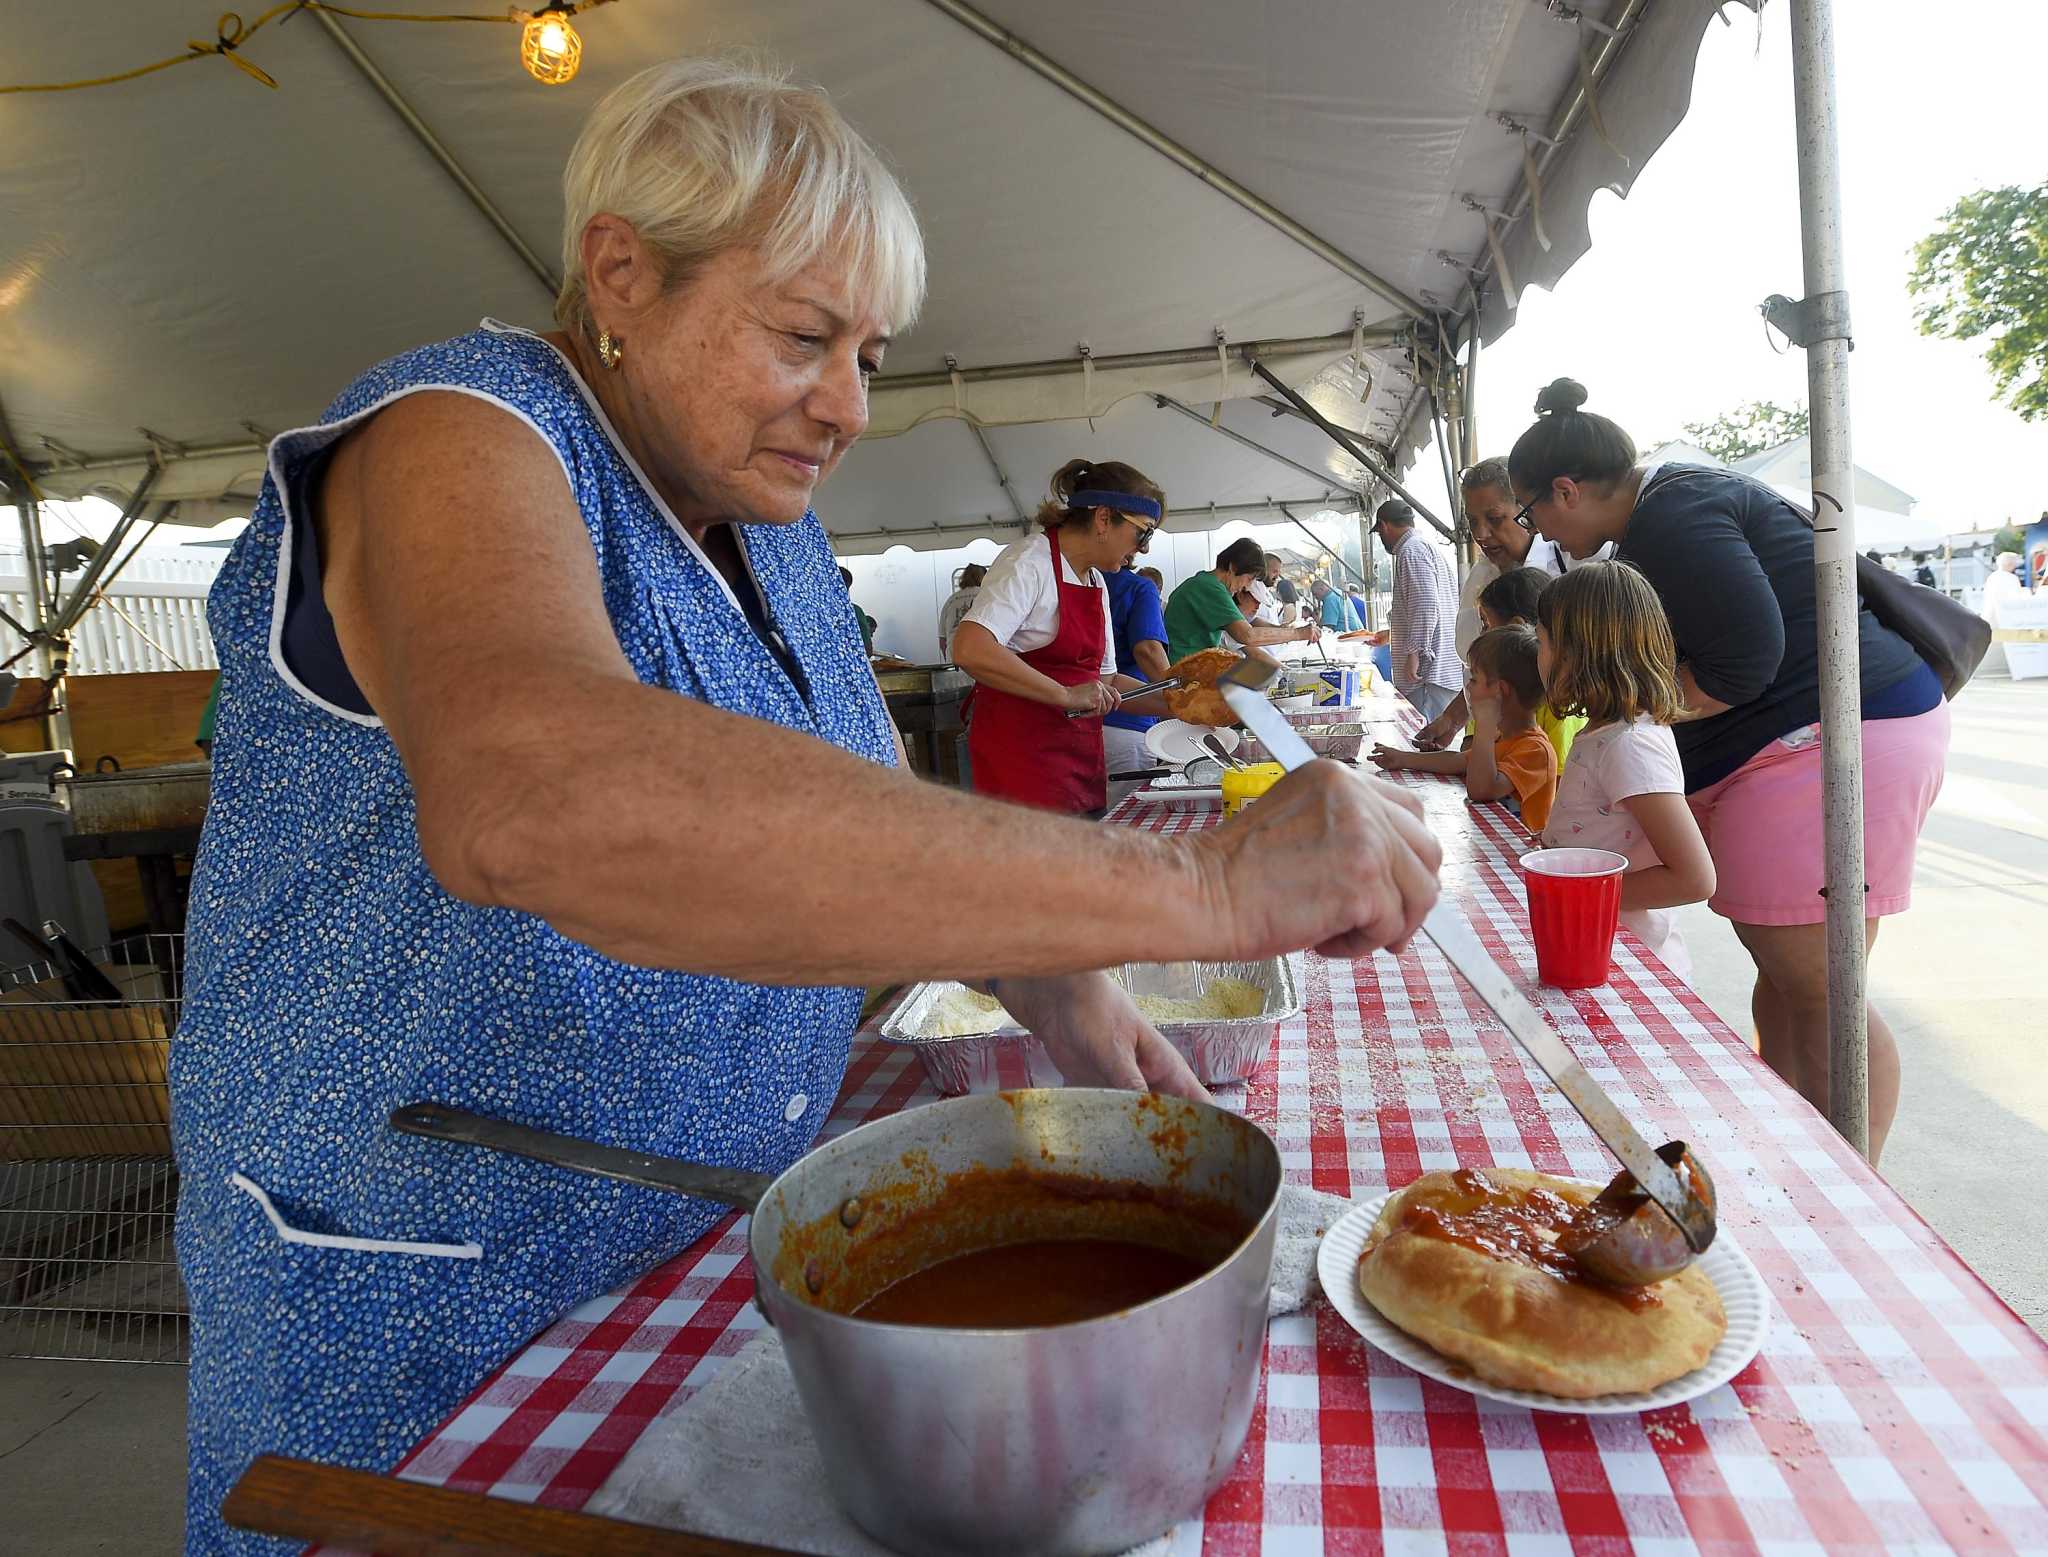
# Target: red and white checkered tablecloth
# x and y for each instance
(1898, 1405)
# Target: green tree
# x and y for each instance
(1984, 274)
(2009, 539)
(1751, 428)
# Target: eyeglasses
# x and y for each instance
(1522, 514)
(1145, 532)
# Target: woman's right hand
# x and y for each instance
(1325, 859)
(1093, 697)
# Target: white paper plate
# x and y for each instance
(1173, 742)
(1743, 1297)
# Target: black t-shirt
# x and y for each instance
(1733, 563)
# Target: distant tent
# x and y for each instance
(1884, 513)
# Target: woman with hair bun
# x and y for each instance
(1731, 561)
(1039, 643)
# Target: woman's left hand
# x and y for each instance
(1096, 1036)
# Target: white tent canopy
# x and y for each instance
(190, 263)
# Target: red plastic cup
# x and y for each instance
(1574, 910)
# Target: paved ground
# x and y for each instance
(1963, 979)
(92, 1454)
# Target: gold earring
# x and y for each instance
(609, 351)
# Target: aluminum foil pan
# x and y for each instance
(1341, 741)
(1221, 1051)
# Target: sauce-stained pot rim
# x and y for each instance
(765, 1278)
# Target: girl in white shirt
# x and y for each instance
(1605, 651)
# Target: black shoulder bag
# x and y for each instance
(1950, 637)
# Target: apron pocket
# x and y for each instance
(291, 1234)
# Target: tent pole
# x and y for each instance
(1002, 476)
(1071, 84)
(16, 481)
(440, 153)
(65, 613)
(1826, 341)
(1468, 395)
(1350, 445)
(1371, 568)
(1461, 539)
(1168, 403)
(979, 528)
(1469, 391)
(1329, 551)
(1005, 372)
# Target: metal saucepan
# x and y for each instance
(1078, 1438)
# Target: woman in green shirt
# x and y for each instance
(1204, 608)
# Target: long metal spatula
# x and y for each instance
(1624, 1246)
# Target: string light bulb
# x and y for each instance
(549, 47)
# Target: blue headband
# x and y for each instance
(1122, 502)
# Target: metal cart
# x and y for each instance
(88, 1189)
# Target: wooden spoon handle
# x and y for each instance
(367, 1512)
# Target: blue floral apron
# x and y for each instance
(331, 979)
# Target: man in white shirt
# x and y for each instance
(1276, 598)
(957, 604)
(1424, 618)
(1283, 590)
(2003, 585)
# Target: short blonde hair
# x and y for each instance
(704, 155)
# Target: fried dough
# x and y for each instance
(1196, 700)
(1525, 1320)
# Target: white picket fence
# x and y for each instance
(153, 617)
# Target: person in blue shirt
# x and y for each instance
(1137, 621)
(1337, 612)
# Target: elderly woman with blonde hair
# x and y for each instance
(551, 783)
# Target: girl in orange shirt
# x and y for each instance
(1509, 758)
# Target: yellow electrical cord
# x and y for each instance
(230, 34)
(21, 468)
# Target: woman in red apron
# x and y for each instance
(1037, 641)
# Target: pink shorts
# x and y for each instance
(1763, 821)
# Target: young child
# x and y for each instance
(1607, 654)
(1508, 758)
(1512, 598)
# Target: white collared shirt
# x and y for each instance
(1019, 602)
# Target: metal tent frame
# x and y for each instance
(1624, 89)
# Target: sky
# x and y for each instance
(1659, 319)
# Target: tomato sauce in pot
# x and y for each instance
(1022, 1286)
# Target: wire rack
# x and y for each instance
(88, 1189)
